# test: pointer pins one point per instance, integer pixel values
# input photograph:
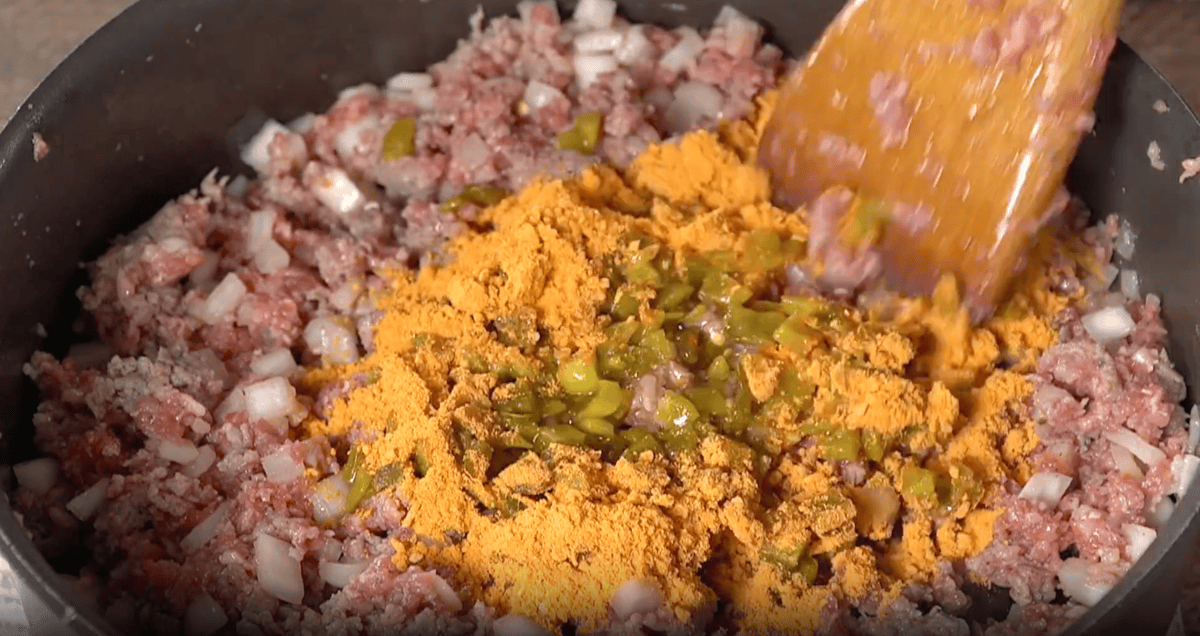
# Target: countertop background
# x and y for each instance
(36, 34)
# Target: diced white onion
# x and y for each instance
(86, 503)
(1140, 537)
(589, 68)
(340, 575)
(205, 458)
(332, 340)
(635, 47)
(224, 298)
(37, 475)
(598, 41)
(303, 124)
(1083, 581)
(336, 191)
(356, 90)
(684, 52)
(517, 625)
(741, 33)
(409, 81)
(342, 299)
(274, 362)
(329, 498)
(269, 399)
(446, 594)
(1184, 469)
(1108, 324)
(1110, 272)
(1158, 514)
(203, 617)
(424, 98)
(179, 451)
(235, 402)
(282, 467)
(693, 102)
(1141, 449)
(348, 141)
(597, 14)
(636, 596)
(1046, 488)
(237, 186)
(259, 228)
(256, 153)
(473, 152)
(1125, 462)
(205, 530)
(538, 95)
(278, 571)
(271, 257)
(1123, 244)
(525, 7)
(1131, 286)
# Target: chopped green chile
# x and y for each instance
(873, 445)
(676, 410)
(607, 400)
(918, 483)
(579, 377)
(841, 444)
(584, 135)
(561, 434)
(764, 250)
(673, 295)
(597, 426)
(709, 400)
(749, 327)
(400, 140)
(719, 370)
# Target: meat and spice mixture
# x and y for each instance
(520, 345)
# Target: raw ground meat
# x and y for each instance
(151, 408)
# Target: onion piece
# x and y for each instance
(86, 503)
(1141, 449)
(1125, 462)
(270, 399)
(525, 8)
(205, 458)
(282, 466)
(634, 47)
(336, 191)
(237, 186)
(205, 530)
(517, 625)
(596, 14)
(179, 451)
(260, 229)
(203, 617)
(274, 362)
(741, 33)
(227, 295)
(636, 596)
(328, 498)
(303, 124)
(1046, 487)
(1124, 242)
(349, 141)
(473, 153)
(1184, 469)
(410, 81)
(1158, 514)
(1084, 582)
(538, 95)
(1130, 284)
(332, 340)
(278, 571)
(340, 575)
(1140, 537)
(1108, 324)
(589, 68)
(271, 257)
(256, 153)
(598, 41)
(693, 102)
(235, 402)
(685, 51)
(37, 475)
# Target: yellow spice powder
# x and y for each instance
(696, 525)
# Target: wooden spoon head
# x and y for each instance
(962, 116)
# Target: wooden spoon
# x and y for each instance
(953, 121)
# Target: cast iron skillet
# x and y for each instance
(154, 100)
